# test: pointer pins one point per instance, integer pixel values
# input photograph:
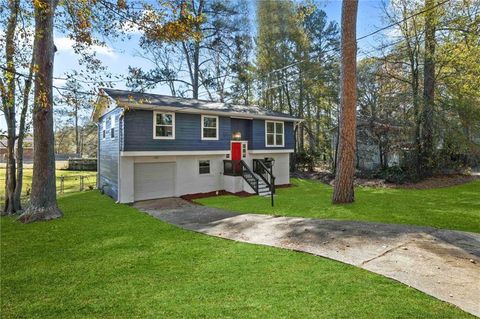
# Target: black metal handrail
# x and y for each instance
(260, 168)
(248, 175)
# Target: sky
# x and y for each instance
(117, 56)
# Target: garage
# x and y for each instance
(154, 180)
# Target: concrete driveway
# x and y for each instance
(442, 263)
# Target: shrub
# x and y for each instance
(395, 174)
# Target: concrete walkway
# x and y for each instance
(442, 263)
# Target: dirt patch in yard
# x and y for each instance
(437, 181)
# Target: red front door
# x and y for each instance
(236, 151)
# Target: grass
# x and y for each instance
(455, 207)
(105, 260)
(71, 180)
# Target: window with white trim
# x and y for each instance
(204, 167)
(163, 125)
(104, 128)
(209, 127)
(112, 127)
(274, 133)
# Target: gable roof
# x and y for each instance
(156, 101)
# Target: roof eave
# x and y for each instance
(146, 106)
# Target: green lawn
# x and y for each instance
(455, 207)
(71, 180)
(105, 260)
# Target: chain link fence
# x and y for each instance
(68, 183)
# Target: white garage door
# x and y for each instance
(154, 180)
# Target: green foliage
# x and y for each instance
(395, 174)
(106, 260)
(308, 159)
(455, 207)
(297, 67)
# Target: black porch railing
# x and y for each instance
(266, 174)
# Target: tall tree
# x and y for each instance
(343, 191)
(43, 200)
(197, 65)
(74, 107)
(82, 19)
(428, 89)
(9, 104)
(15, 89)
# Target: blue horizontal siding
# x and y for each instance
(244, 127)
(109, 155)
(138, 133)
(258, 140)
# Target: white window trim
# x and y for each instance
(104, 129)
(155, 137)
(275, 134)
(218, 124)
(209, 167)
(112, 125)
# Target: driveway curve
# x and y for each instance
(442, 263)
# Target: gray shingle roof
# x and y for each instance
(122, 96)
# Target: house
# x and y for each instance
(377, 145)
(27, 149)
(154, 146)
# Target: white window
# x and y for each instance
(209, 127)
(204, 167)
(274, 134)
(163, 125)
(104, 128)
(112, 127)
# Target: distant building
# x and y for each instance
(27, 150)
(374, 150)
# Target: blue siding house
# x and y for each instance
(154, 146)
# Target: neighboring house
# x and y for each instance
(375, 145)
(154, 146)
(27, 150)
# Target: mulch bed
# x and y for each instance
(192, 197)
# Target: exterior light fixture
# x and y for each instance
(236, 136)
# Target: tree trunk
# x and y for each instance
(9, 108)
(301, 113)
(428, 90)
(43, 197)
(343, 191)
(77, 140)
(21, 136)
